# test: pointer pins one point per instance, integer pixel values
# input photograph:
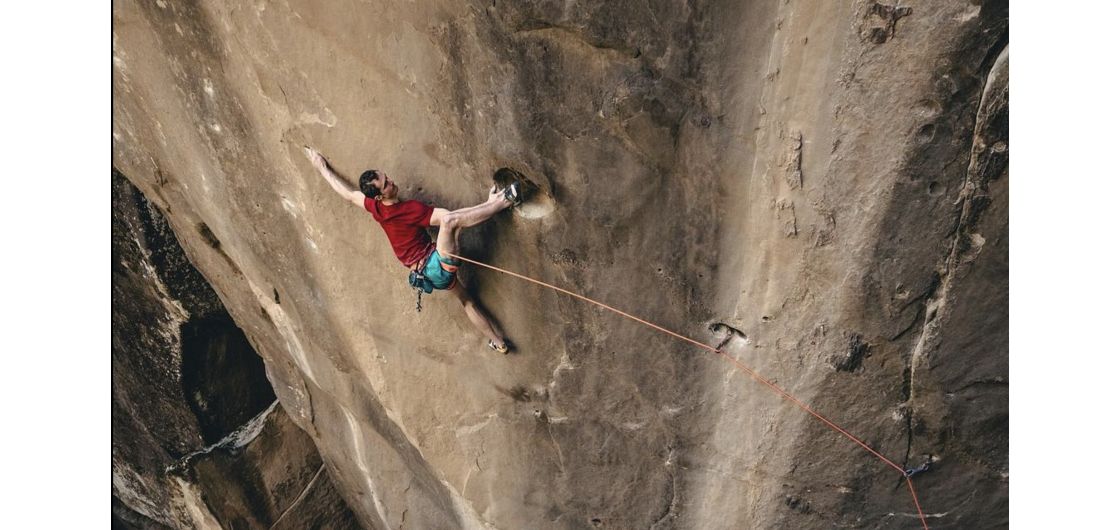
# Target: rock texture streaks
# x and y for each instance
(818, 187)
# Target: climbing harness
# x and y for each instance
(422, 285)
(906, 473)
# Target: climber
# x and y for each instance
(405, 223)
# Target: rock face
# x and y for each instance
(198, 437)
(820, 187)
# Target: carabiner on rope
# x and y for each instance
(915, 470)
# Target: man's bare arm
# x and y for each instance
(340, 186)
(437, 216)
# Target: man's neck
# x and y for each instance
(390, 202)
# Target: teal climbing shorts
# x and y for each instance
(440, 270)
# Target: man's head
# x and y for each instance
(376, 185)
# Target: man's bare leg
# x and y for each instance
(476, 315)
(447, 243)
(447, 240)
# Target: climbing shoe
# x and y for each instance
(513, 193)
(503, 349)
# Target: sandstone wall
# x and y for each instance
(823, 183)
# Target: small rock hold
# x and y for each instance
(888, 17)
(852, 359)
(796, 504)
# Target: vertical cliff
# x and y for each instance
(819, 187)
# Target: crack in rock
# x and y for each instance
(985, 164)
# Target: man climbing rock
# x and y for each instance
(406, 222)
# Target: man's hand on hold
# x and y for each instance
(340, 186)
(496, 194)
(315, 157)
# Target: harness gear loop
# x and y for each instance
(420, 282)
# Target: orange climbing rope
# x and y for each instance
(782, 393)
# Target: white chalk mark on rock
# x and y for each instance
(289, 206)
(465, 430)
(971, 13)
(307, 117)
(565, 364)
(671, 411)
(532, 210)
(357, 440)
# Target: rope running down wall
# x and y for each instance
(755, 375)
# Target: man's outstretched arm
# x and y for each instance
(340, 186)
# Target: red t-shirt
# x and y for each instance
(406, 225)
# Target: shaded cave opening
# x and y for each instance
(223, 378)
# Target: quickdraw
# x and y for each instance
(911, 471)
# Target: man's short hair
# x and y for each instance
(365, 183)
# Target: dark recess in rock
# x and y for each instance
(184, 377)
(517, 393)
(223, 378)
(729, 333)
(208, 236)
(506, 176)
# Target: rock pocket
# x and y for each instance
(536, 203)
